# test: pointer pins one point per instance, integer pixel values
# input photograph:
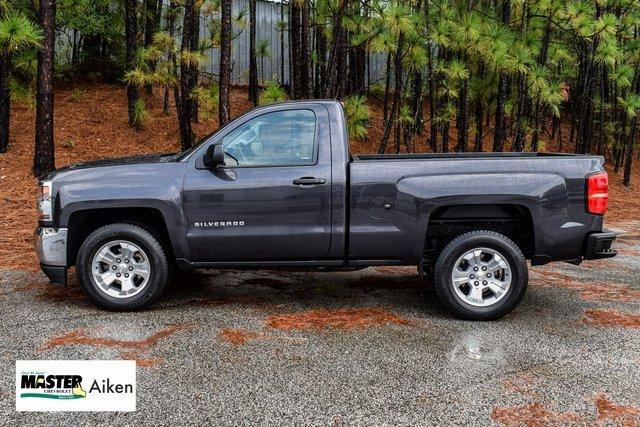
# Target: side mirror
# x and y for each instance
(214, 156)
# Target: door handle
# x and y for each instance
(309, 180)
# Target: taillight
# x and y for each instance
(597, 193)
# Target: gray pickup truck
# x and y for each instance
(277, 188)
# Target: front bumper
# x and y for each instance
(51, 248)
(598, 245)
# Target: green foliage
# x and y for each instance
(68, 143)
(93, 20)
(271, 94)
(207, 99)
(76, 95)
(262, 49)
(358, 116)
(140, 113)
(630, 105)
(405, 117)
(21, 92)
(18, 32)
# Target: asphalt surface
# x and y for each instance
(217, 349)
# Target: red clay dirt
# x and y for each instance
(521, 383)
(94, 126)
(238, 336)
(533, 414)
(626, 416)
(611, 318)
(397, 269)
(629, 251)
(344, 319)
(80, 337)
(140, 361)
(594, 291)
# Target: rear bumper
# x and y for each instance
(598, 245)
(51, 248)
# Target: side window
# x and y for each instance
(281, 138)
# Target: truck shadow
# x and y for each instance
(266, 289)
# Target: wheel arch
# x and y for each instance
(446, 222)
(83, 222)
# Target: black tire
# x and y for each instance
(477, 239)
(159, 267)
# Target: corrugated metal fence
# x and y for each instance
(268, 14)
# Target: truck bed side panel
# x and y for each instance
(551, 188)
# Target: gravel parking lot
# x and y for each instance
(367, 347)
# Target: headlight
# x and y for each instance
(44, 201)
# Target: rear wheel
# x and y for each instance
(122, 267)
(481, 275)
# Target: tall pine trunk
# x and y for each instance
(253, 63)
(224, 109)
(153, 11)
(337, 59)
(321, 49)
(500, 131)
(44, 156)
(295, 47)
(537, 109)
(131, 36)
(306, 66)
(397, 96)
(282, 31)
(387, 88)
(170, 27)
(433, 126)
(183, 104)
(633, 133)
(462, 119)
(194, 46)
(5, 102)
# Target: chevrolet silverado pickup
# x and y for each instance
(278, 188)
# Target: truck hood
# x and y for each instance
(121, 161)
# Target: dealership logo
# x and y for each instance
(52, 386)
(75, 385)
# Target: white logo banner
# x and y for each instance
(75, 385)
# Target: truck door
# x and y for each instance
(272, 198)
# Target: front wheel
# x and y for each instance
(122, 267)
(481, 275)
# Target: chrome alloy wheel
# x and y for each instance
(121, 269)
(481, 277)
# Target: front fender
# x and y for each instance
(147, 186)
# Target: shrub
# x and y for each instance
(271, 94)
(140, 114)
(357, 112)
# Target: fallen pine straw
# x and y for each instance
(345, 319)
(620, 414)
(588, 291)
(611, 318)
(80, 337)
(533, 414)
(238, 336)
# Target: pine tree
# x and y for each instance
(44, 155)
(224, 112)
